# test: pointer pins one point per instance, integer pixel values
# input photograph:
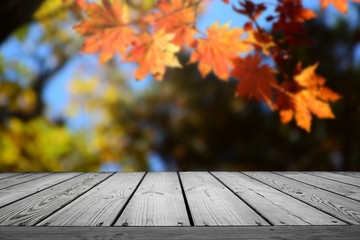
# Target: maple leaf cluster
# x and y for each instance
(153, 40)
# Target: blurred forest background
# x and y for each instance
(60, 111)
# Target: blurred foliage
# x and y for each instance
(22, 142)
(192, 123)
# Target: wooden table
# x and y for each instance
(180, 205)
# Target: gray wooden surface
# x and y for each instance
(182, 233)
(324, 204)
(8, 174)
(21, 178)
(277, 207)
(99, 206)
(157, 202)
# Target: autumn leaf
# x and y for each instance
(80, 3)
(218, 50)
(164, 32)
(107, 29)
(176, 17)
(341, 5)
(307, 78)
(255, 80)
(304, 97)
(291, 16)
(153, 54)
(294, 11)
(250, 9)
(260, 40)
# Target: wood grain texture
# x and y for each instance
(99, 206)
(14, 193)
(212, 204)
(340, 207)
(338, 177)
(157, 202)
(277, 207)
(343, 189)
(31, 210)
(8, 182)
(182, 233)
(9, 174)
(352, 174)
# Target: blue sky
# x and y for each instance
(56, 95)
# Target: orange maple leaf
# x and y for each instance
(177, 17)
(260, 40)
(255, 80)
(294, 11)
(304, 97)
(107, 29)
(80, 3)
(218, 50)
(341, 5)
(153, 53)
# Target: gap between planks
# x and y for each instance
(185, 190)
(340, 207)
(158, 201)
(336, 187)
(4, 175)
(213, 204)
(275, 206)
(22, 178)
(100, 206)
(33, 209)
(19, 192)
(338, 177)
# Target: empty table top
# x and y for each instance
(180, 205)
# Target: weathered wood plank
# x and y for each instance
(8, 182)
(182, 233)
(99, 206)
(338, 177)
(338, 206)
(9, 174)
(157, 202)
(275, 206)
(14, 193)
(212, 204)
(31, 210)
(352, 174)
(344, 189)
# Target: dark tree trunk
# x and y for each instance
(15, 13)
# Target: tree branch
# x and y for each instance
(15, 13)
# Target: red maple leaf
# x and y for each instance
(256, 80)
